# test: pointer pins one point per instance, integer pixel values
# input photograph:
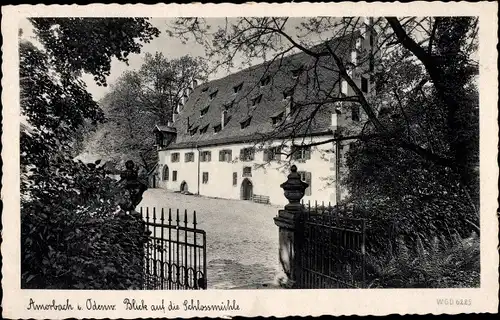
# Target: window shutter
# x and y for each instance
(241, 154)
(221, 155)
(229, 156)
(308, 181)
(209, 156)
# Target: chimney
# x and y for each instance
(223, 118)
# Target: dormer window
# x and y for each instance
(256, 100)
(193, 131)
(217, 128)
(278, 118)
(213, 95)
(245, 123)
(238, 88)
(287, 94)
(204, 89)
(204, 111)
(265, 81)
(204, 129)
(296, 73)
(228, 105)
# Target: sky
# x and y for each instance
(170, 47)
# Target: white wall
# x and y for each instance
(266, 180)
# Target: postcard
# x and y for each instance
(220, 160)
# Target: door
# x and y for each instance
(246, 189)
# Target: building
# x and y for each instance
(235, 137)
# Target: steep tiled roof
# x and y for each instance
(300, 74)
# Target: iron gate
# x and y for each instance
(331, 250)
(175, 255)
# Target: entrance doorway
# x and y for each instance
(246, 190)
(184, 186)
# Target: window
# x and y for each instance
(213, 95)
(287, 94)
(247, 154)
(235, 178)
(245, 123)
(355, 112)
(204, 129)
(174, 175)
(165, 173)
(238, 88)
(206, 156)
(174, 157)
(273, 153)
(225, 155)
(204, 111)
(256, 100)
(205, 178)
(189, 157)
(301, 152)
(364, 84)
(217, 128)
(277, 118)
(247, 171)
(306, 177)
(265, 81)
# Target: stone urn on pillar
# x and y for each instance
(290, 225)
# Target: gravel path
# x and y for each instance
(242, 239)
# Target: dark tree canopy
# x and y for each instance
(88, 44)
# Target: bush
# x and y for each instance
(444, 264)
(73, 237)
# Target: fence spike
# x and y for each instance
(194, 219)
(154, 214)
(169, 215)
(185, 216)
(147, 213)
(162, 218)
(177, 220)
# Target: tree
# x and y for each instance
(62, 197)
(83, 44)
(137, 102)
(127, 133)
(165, 82)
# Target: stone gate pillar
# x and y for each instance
(290, 222)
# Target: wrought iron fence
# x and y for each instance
(331, 249)
(175, 255)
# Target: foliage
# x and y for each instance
(137, 102)
(88, 44)
(70, 237)
(443, 263)
(419, 196)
